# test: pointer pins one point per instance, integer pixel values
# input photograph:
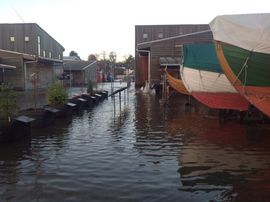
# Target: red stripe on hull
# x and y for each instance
(258, 96)
(222, 100)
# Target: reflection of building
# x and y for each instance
(32, 51)
(80, 72)
(153, 50)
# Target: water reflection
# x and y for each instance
(25, 161)
(143, 152)
(214, 160)
(221, 157)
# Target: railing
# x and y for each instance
(118, 91)
(124, 89)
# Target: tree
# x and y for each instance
(129, 62)
(103, 55)
(91, 58)
(103, 61)
(112, 57)
(8, 104)
(90, 87)
(57, 94)
(97, 56)
(73, 53)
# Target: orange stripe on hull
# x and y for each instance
(225, 66)
(258, 96)
(222, 100)
(177, 84)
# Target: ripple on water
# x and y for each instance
(139, 154)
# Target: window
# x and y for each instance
(145, 35)
(44, 53)
(59, 56)
(160, 35)
(12, 39)
(26, 38)
(39, 50)
(50, 54)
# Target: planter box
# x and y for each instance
(18, 129)
(104, 94)
(98, 97)
(42, 117)
(79, 103)
(60, 111)
(90, 102)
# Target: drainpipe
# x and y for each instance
(149, 63)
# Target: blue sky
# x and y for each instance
(93, 26)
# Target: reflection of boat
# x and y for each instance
(204, 79)
(176, 84)
(220, 158)
(243, 50)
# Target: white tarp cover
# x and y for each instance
(205, 81)
(248, 31)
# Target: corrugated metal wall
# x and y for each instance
(168, 48)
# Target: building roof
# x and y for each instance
(36, 25)
(24, 55)
(174, 37)
(78, 65)
(50, 60)
(4, 66)
(71, 58)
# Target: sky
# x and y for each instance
(93, 26)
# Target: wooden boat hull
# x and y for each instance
(251, 81)
(177, 84)
(204, 79)
(243, 51)
(213, 90)
(222, 100)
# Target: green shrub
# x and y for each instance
(90, 87)
(57, 94)
(8, 104)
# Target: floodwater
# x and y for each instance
(141, 152)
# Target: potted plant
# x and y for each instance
(57, 97)
(8, 109)
(8, 104)
(90, 92)
(90, 87)
(57, 94)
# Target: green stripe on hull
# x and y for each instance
(201, 57)
(257, 72)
